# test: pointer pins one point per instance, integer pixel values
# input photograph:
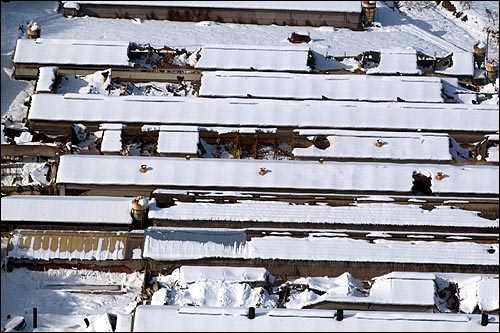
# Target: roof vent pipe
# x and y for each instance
(340, 315)
(251, 312)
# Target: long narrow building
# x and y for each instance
(128, 174)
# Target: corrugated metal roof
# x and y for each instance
(86, 245)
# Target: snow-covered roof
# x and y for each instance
(46, 78)
(280, 174)
(384, 290)
(177, 142)
(111, 126)
(337, 6)
(403, 291)
(77, 108)
(75, 52)
(478, 291)
(66, 209)
(162, 244)
(493, 154)
(247, 57)
(360, 213)
(2, 136)
(88, 245)
(229, 274)
(319, 86)
(111, 141)
(396, 145)
(396, 61)
(463, 64)
(154, 318)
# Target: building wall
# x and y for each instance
(224, 15)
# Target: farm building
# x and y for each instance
(58, 212)
(294, 58)
(131, 174)
(154, 319)
(339, 14)
(86, 245)
(316, 254)
(30, 54)
(55, 114)
(365, 145)
(321, 86)
(375, 216)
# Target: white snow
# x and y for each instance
(161, 244)
(397, 61)
(76, 52)
(389, 290)
(463, 65)
(174, 142)
(403, 291)
(281, 174)
(480, 292)
(397, 146)
(154, 319)
(2, 136)
(23, 289)
(493, 154)
(46, 78)
(317, 86)
(190, 274)
(66, 209)
(204, 286)
(242, 57)
(76, 108)
(111, 141)
(360, 213)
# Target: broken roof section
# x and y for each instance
(46, 79)
(321, 86)
(71, 52)
(175, 140)
(190, 274)
(381, 145)
(254, 57)
(462, 64)
(397, 61)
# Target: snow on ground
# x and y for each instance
(23, 289)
